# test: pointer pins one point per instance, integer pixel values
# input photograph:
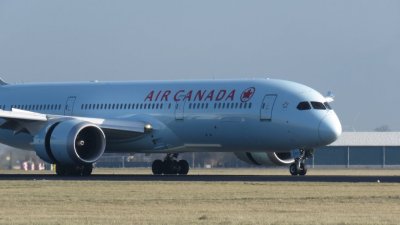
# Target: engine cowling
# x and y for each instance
(266, 158)
(70, 142)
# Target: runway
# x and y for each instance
(208, 178)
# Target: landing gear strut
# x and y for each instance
(170, 165)
(74, 170)
(299, 166)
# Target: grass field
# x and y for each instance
(132, 202)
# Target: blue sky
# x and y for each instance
(349, 47)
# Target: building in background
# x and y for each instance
(360, 149)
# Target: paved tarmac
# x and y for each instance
(207, 178)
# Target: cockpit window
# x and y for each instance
(303, 106)
(318, 105)
(327, 105)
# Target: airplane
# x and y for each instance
(261, 121)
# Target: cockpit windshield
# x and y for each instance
(318, 105)
(327, 105)
(303, 106)
(314, 105)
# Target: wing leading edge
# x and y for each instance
(31, 122)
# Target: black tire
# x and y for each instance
(171, 167)
(87, 170)
(183, 167)
(61, 170)
(157, 167)
(303, 170)
(293, 169)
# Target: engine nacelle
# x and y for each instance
(266, 158)
(70, 142)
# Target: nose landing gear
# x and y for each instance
(299, 166)
(170, 165)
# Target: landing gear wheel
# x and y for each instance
(61, 170)
(299, 166)
(303, 170)
(170, 166)
(87, 170)
(77, 170)
(293, 169)
(183, 167)
(157, 167)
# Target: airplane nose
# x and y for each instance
(329, 128)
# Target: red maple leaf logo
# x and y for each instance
(247, 94)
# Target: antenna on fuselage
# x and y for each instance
(330, 97)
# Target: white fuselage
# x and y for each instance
(230, 115)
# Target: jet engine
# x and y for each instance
(70, 142)
(266, 158)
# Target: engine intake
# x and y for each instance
(266, 158)
(70, 142)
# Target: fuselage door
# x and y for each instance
(179, 110)
(69, 106)
(267, 107)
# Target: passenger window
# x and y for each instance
(318, 105)
(303, 106)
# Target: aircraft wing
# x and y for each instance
(22, 115)
(31, 122)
